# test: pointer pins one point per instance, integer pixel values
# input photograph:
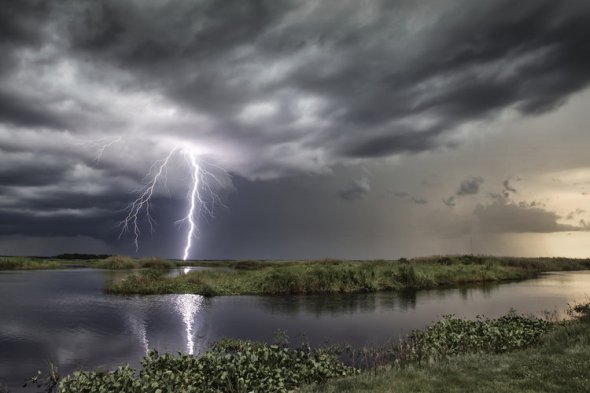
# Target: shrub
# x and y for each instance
(248, 265)
(157, 263)
(407, 276)
(27, 263)
(452, 336)
(229, 366)
(116, 262)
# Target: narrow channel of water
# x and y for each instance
(64, 317)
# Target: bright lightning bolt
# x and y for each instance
(194, 197)
(141, 206)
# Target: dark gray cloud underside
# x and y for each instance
(467, 66)
(355, 191)
(469, 186)
(503, 216)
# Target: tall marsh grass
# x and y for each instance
(28, 263)
(313, 277)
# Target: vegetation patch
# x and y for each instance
(452, 336)
(229, 366)
(313, 277)
(116, 262)
(28, 263)
(111, 262)
(122, 262)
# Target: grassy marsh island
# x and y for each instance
(332, 276)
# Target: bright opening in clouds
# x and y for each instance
(357, 129)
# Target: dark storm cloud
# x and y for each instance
(280, 87)
(508, 186)
(469, 186)
(23, 111)
(504, 216)
(356, 190)
(466, 188)
(450, 201)
(419, 200)
(575, 213)
(26, 222)
(19, 21)
(31, 174)
(458, 67)
(97, 217)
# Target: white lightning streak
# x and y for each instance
(104, 146)
(194, 197)
(200, 179)
(189, 306)
(142, 202)
(100, 144)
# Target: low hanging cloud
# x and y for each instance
(357, 190)
(507, 186)
(419, 200)
(469, 186)
(466, 188)
(575, 213)
(450, 201)
(505, 216)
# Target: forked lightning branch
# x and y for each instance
(139, 210)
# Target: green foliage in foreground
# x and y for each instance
(230, 366)
(559, 362)
(452, 336)
(291, 278)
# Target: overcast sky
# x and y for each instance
(349, 129)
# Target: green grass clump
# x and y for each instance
(229, 366)
(328, 276)
(113, 262)
(122, 262)
(157, 263)
(29, 263)
(117, 262)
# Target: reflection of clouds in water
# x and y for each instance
(188, 306)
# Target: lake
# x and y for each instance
(63, 316)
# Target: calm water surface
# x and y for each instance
(64, 317)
